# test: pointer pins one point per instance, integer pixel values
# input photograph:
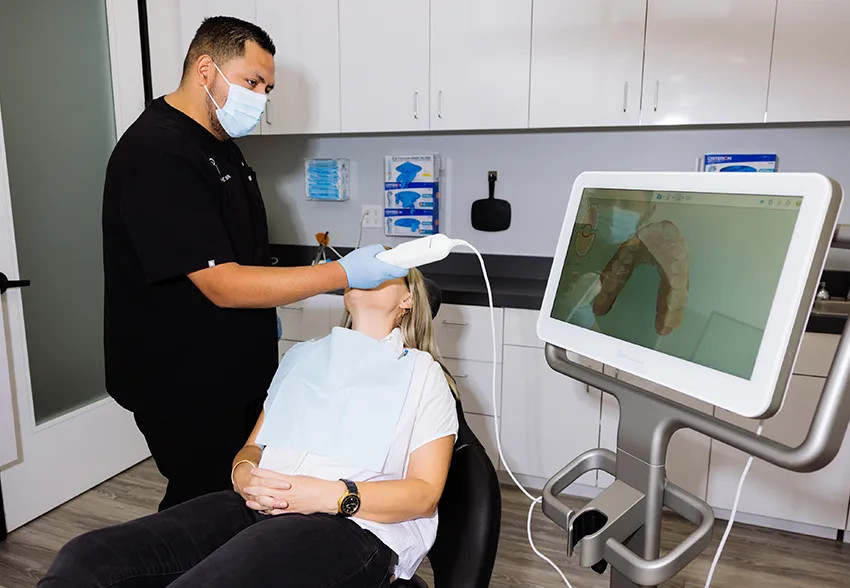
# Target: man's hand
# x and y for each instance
(365, 271)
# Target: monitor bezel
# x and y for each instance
(762, 395)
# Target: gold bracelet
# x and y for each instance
(236, 465)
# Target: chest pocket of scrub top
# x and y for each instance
(341, 398)
(245, 217)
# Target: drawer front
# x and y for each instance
(815, 498)
(335, 305)
(306, 319)
(521, 327)
(463, 332)
(283, 346)
(485, 429)
(816, 353)
(475, 384)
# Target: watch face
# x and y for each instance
(350, 504)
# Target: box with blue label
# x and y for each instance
(410, 223)
(739, 162)
(412, 195)
(417, 197)
(412, 169)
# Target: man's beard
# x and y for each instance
(215, 125)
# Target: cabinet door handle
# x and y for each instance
(455, 323)
(440, 104)
(268, 107)
(461, 376)
(625, 96)
(416, 105)
(657, 88)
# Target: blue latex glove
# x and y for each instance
(364, 271)
(407, 173)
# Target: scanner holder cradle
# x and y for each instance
(622, 526)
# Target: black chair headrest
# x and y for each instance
(435, 295)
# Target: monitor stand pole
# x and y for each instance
(622, 526)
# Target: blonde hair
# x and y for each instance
(417, 327)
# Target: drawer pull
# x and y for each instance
(295, 308)
(456, 324)
(461, 376)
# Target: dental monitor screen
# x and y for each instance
(650, 268)
(690, 288)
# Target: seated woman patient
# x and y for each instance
(338, 484)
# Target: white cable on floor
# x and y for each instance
(533, 500)
(728, 530)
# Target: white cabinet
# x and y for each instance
(485, 430)
(810, 73)
(172, 25)
(306, 94)
(586, 62)
(465, 332)
(283, 346)
(818, 498)
(475, 385)
(311, 318)
(480, 52)
(688, 453)
(547, 418)
(384, 65)
(521, 328)
(816, 353)
(707, 62)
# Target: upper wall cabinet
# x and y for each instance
(586, 62)
(171, 27)
(306, 95)
(707, 62)
(480, 52)
(384, 61)
(810, 75)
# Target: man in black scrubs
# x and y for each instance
(190, 332)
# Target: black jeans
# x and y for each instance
(195, 452)
(215, 541)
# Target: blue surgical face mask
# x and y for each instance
(242, 111)
(616, 224)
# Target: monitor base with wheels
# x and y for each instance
(622, 526)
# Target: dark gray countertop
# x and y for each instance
(520, 281)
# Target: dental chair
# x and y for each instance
(470, 509)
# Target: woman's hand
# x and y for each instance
(276, 494)
(259, 494)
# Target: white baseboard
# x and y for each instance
(778, 524)
(534, 485)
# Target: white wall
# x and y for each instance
(536, 172)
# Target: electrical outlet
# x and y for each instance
(372, 216)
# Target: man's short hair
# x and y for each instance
(223, 38)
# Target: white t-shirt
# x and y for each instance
(428, 413)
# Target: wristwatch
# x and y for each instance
(349, 503)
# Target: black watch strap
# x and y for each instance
(350, 486)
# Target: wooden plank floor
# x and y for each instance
(753, 557)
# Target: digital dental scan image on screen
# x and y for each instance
(675, 271)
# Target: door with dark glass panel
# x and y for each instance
(68, 87)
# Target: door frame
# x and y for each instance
(125, 55)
